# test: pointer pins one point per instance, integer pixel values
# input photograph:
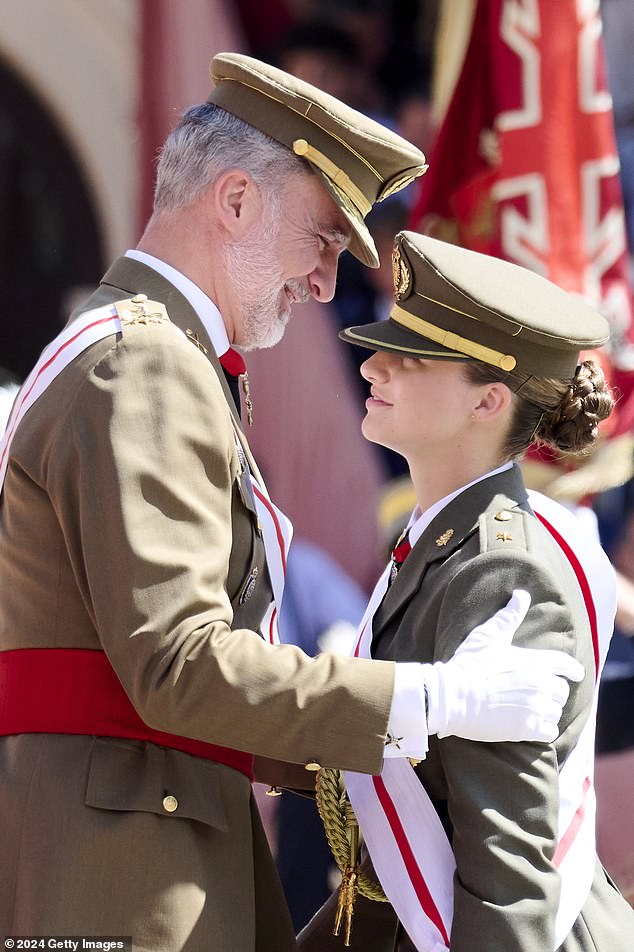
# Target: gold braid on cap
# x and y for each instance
(340, 178)
(451, 341)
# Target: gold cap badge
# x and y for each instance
(401, 274)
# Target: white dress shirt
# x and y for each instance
(203, 305)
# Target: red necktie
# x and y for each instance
(399, 553)
(232, 362)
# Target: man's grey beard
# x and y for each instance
(257, 281)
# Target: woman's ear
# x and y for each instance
(495, 397)
(237, 203)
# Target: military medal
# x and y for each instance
(244, 380)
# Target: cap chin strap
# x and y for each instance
(343, 181)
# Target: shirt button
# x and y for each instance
(170, 804)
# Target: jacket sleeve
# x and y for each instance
(141, 478)
(503, 799)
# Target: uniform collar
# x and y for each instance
(205, 308)
(445, 527)
(420, 520)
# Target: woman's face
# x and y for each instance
(417, 404)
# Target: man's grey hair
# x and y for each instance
(206, 142)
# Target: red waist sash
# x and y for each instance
(76, 691)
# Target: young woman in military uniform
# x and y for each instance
(478, 360)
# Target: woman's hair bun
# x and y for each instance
(572, 426)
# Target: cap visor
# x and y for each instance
(361, 242)
(392, 337)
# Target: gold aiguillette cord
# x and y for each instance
(349, 880)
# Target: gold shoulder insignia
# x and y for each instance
(196, 340)
(138, 310)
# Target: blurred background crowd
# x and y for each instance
(525, 109)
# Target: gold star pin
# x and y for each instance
(391, 740)
(444, 538)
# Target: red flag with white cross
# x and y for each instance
(525, 165)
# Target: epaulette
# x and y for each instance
(502, 529)
(138, 310)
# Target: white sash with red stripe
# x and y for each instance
(405, 838)
(89, 328)
(277, 531)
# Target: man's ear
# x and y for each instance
(494, 399)
(237, 202)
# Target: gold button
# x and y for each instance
(139, 299)
(313, 765)
(300, 147)
(508, 362)
(273, 792)
(170, 804)
(503, 516)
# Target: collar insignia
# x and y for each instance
(444, 538)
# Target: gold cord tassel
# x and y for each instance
(344, 838)
(350, 879)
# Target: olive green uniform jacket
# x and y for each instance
(498, 802)
(127, 527)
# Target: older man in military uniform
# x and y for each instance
(136, 606)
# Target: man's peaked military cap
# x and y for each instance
(360, 161)
(456, 304)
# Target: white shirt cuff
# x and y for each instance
(407, 724)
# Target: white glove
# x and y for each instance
(493, 691)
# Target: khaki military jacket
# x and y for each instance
(127, 526)
(498, 802)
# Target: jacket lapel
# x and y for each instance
(445, 534)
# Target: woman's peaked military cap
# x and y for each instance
(456, 304)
